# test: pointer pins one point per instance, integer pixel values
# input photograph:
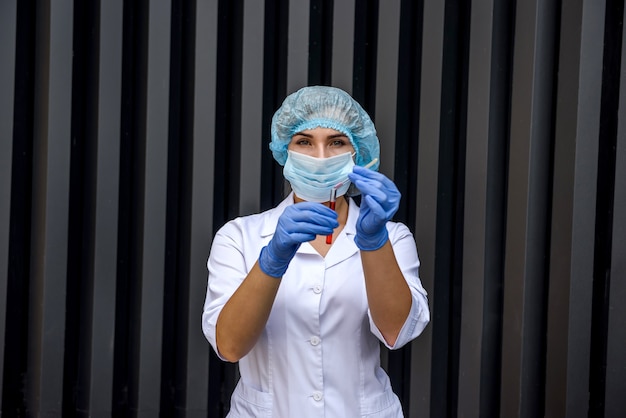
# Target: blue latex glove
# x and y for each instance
(299, 223)
(380, 201)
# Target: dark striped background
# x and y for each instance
(131, 130)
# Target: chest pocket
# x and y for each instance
(250, 403)
(385, 405)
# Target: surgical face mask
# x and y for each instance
(313, 179)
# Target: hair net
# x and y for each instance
(324, 107)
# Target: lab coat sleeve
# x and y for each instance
(405, 250)
(227, 268)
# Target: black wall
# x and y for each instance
(130, 131)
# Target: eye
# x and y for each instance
(338, 144)
(301, 141)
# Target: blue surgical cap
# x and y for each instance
(324, 107)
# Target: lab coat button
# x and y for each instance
(317, 396)
(315, 340)
(317, 288)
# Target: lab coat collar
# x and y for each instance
(271, 218)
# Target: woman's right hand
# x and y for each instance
(299, 223)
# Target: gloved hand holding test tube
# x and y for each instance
(333, 196)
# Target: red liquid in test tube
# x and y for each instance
(333, 199)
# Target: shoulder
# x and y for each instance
(398, 229)
(245, 225)
(401, 237)
(258, 224)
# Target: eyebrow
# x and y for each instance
(337, 135)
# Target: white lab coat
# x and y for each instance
(319, 353)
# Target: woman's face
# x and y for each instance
(320, 143)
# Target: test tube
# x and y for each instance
(333, 199)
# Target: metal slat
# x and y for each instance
(498, 138)
(474, 235)
(298, 45)
(615, 401)
(8, 25)
(563, 204)
(343, 44)
(426, 216)
(395, 362)
(449, 229)
(155, 194)
(573, 202)
(517, 218)
(585, 189)
(51, 205)
(252, 108)
(197, 369)
(106, 218)
(528, 211)
(387, 83)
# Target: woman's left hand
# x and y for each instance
(380, 201)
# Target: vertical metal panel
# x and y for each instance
(320, 46)
(384, 118)
(197, 369)
(474, 234)
(252, 107)
(227, 159)
(228, 110)
(582, 246)
(408, 94)
(603, 234)
(365, 54)
(130, 209)
(105, 244)
(517, 218)
(615, 401)
(154, 208)
(562, 203)
(450, 191)
(497, 159)
(528, 211)
(178, 208)
(585, 178)
(343, 44)
(16, 355)
(50, 201)
(397, 363)
(573, 203)
(82, 200)
(426, 216)
(298, 45)
(387, 83)
(8, 16)
(275, 67)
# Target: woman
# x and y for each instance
(303, 313)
